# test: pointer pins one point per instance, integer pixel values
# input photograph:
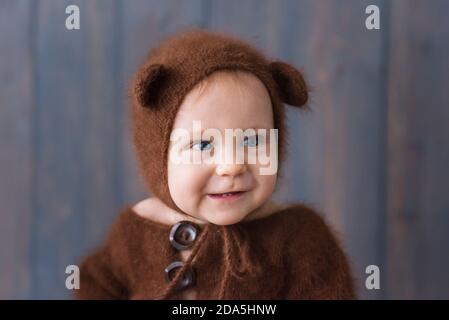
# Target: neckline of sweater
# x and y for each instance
(130, 211)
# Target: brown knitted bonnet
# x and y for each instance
(171, 70)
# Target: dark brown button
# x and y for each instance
(188, 278)
(183, 235)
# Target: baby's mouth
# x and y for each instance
(226, 195)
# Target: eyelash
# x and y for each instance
(200, 142)
(256, 138)
(246, 139)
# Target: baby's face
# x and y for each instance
(236, 100)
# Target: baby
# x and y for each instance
(208, 128)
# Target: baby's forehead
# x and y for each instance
(227, 99)
(241, 81)
(232, 86)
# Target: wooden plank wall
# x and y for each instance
(418, 151)
(371, 155)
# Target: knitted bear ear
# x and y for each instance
(149, 85)
(290, 82)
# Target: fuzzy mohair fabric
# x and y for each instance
(291, 254)
(172, 69)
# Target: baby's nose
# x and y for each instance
(230, 169)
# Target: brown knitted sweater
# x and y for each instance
(291, 254)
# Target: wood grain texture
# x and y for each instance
(418, 140)
(77, 157)
(16, 156)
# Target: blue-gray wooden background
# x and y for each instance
(373, 155)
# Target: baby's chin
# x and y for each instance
(221, 217)
(222, 214)
(224, 220)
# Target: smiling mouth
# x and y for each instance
(226, 196)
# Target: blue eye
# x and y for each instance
(251, 142)
(202, 145)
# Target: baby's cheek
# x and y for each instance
(195, 185)
(265, 185)
(186, 183)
